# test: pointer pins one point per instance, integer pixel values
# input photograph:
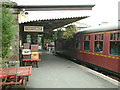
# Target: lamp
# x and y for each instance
(23, 12)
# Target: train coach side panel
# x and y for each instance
(102, 61)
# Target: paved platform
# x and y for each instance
(58, 72)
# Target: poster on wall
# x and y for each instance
(33, 28)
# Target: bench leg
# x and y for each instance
(37, 64)
(24, 83)
(27, 78)
(25, 63)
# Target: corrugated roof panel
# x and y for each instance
(49, 15)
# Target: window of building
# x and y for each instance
(115, 43)
(70, 44)
(28, 38)
(86, 42)
(98, 47)
(77, 45)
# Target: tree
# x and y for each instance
(0, 30)
(58, 34)
(8, 30)
(61, 34)
(70, 31)
(49, 35)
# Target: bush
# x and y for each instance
(8, 30)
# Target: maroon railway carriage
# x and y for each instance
(98, 47)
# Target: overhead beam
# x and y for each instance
(55, 7)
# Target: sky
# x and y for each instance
(103, 11)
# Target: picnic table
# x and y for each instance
(15, 75)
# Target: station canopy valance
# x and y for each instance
(30, 16)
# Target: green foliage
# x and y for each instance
(60, 34)
(0, 30)
(49, 35)
(8, 4)
(39, 41)
(70, 31)
(54, 35)
(67, 34)
(8, 30)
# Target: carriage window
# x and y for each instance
(86, 42)
(71, 44)
(98, 46)
(98, 43)
(115, 48)
(78, 43)
(115, 43)
(99, 37)
(86, 45)
(115, 36)
(118, 36)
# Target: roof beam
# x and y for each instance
(52, 8)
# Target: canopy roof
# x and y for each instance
(37, 13)
(52, 15)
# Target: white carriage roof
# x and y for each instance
(99, 28)
(78, 24)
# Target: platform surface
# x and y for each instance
(58, 72)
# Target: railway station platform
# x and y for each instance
(58, 72)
